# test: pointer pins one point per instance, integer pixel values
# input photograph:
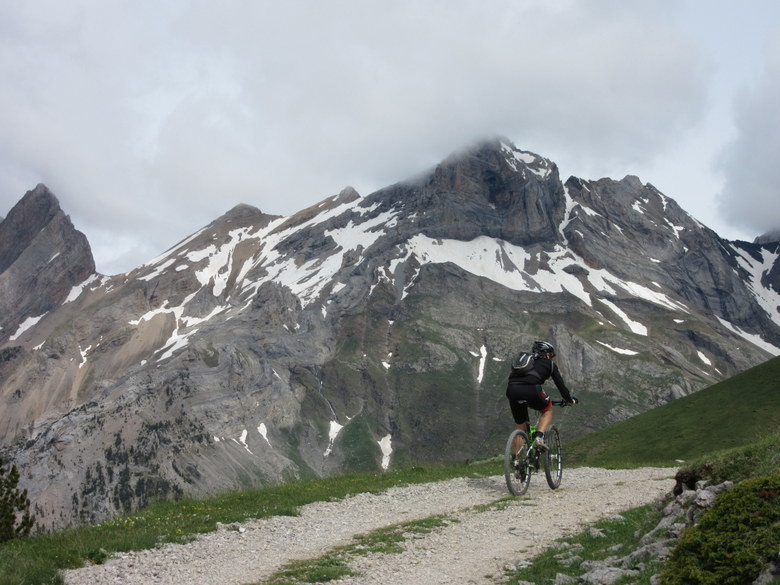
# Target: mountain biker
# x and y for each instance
(524, 390)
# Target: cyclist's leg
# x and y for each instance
(545, 419)
(518, 396)
(541, 402)
(525, 427)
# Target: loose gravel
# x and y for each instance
(475, 548)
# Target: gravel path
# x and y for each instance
(473, 550)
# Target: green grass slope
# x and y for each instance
(732, 413)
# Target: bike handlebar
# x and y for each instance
(562, 403)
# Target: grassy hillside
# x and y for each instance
(733, 413)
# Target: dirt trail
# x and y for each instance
(474, 548)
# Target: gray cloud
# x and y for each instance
(751, 194)
(148, 120)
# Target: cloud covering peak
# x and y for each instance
(150, 120)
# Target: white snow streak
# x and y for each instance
(25, 325)
(76, 291)
(263, 430)
(634, 326)
(84, 353)
(618, 350)
(385, 444)
(754, 339)
(483, 355)
(242, 440)
(334, 432)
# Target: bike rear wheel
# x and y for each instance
(517, 469)
(553, 459)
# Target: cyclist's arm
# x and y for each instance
(560, 384)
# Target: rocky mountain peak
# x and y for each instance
(241, 215)
(347, 195)
(769, 237)
(242, 210)
(493, 189)
(28, 217)
(42, 257)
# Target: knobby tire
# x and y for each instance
(516, 465)
(553, 459)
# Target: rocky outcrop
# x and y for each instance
(679, 513)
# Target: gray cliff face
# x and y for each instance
(488, 191)
(363, 333)
(659, 243)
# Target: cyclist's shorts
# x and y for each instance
(521, 396)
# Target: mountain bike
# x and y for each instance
(522, 458)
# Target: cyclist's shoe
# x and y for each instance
(539, 441)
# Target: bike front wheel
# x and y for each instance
(517, 469)
(553, 459)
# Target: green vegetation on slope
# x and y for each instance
(753, 460)
(734, 540)
(732, 413)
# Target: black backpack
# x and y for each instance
(523, 363)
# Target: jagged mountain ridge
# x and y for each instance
(363, 331)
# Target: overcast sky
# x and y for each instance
(151, 118)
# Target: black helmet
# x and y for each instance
(543, 348)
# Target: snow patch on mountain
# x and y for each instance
(754, 339)
(506, 263)
(758, 269)
(91, 283)
(520, 160)
(158, 270)
(220, 260)
(242, 441)
(307, 280)
(386, 446)
(482, 355)
(618, 349)
(263, 430)
(169, 252)
(634, 326)
(335, 428)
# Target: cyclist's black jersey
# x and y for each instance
(543, 369)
